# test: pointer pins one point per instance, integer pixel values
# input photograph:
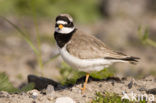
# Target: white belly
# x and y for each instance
(86, 65)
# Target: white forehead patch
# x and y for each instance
(61, 22)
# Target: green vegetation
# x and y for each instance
(70, 76)
(144, 37)
(5, 85)
(81, 10)
(108, 98)
(111, 98)
(27, 87)
(105, 73)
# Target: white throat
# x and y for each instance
(64, 30)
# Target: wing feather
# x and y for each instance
(88, 47)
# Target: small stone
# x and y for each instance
(33, 93)
(84, 96)
(100, 85)
(50, 90)
(113, 83)
(33, 101)
(130, 85)
(64, 100)
(142, 89)
(152, 91)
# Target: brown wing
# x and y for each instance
(88, 47)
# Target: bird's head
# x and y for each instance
(64, 24)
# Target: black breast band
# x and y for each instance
(62, 39)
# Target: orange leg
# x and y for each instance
(84, 85)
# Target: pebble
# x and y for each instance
(130, 85)
(64, 100)
(100, 85)
(142, 89)
(152, 91)
(33, 93)
(50, 92)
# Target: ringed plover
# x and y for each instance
(83, 51)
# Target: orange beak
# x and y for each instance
(60, 26)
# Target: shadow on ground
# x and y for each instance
(42, 82)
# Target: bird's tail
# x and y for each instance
(130, 59)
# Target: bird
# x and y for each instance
(83, 51)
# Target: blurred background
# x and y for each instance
(27, 45)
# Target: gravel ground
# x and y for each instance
(111, 85)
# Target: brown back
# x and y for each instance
(88, 47)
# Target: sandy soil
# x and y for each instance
(111, 85)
